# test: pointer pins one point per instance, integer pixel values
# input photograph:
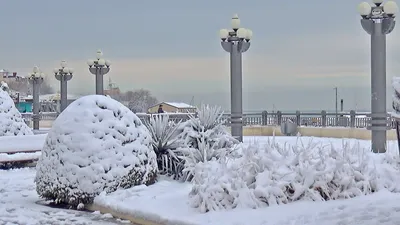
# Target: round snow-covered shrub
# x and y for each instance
(11, 121)
(96, 144)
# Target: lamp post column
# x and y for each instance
(99, 68)
(63, 74)
(36, 79)
(378, 21)
(236, 42)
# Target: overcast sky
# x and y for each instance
(300, 51)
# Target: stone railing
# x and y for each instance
(322, 119)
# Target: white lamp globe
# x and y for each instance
(35, 69)
(391, 8)
(101, 62)
(56, 70)
(377, 2)
(71, 70)
(99, 54)
(223, 34)
(249, 34)
(242, 33)
(235, 22)
(90, 62)
(66, 70)
(108, 63)
(63, 63)
(364, 8)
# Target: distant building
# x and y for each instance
(173, 107)
(7, 74)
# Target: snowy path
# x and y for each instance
(18, 204)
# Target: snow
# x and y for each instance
(179, 105)
(95, 144)
(11, 121)
(19, 157)
(25, 143)
(20, 205)
(154, 202)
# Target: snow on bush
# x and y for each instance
(206, 138)
(166, 141)
(208, 124)
(276, 174)
(96, 144)
(11, 121)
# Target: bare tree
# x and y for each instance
(23, 86)
(139, 100)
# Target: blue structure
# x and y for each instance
(24, 107)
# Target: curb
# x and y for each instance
(123, 216)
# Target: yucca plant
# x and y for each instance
(206, 151)
(165, 141)
(209, 121)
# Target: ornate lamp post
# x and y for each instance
(378, 21)
(36, 79)
(63, 74)
(99, 67)
(236, 42)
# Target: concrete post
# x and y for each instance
(298, 122)
(99, 68)
(323, 118)
(378, 25)
(264, 118)
(279, 115)
(352, 118)
(236, 46)
(63, 78)
(36, 82)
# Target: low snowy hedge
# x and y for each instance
(11, 121)
(274, 174)
(95, 145)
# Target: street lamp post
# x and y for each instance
(99, 67)
(378, 21)
(63, 74)
(236, 42)
(36, 79)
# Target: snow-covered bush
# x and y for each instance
(206, 138)
(11, 121)
(275, 174)
(209, 123)
(166, 141)
(96, 144)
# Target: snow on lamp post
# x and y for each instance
(236, 42)
(99, 67)
(63, 74)
(378, 20)
(36, 79)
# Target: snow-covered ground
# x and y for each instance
(167, 202)
(19, 204)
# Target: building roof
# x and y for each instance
(49, 97)
(179, 105)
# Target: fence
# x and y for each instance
(322, 119)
